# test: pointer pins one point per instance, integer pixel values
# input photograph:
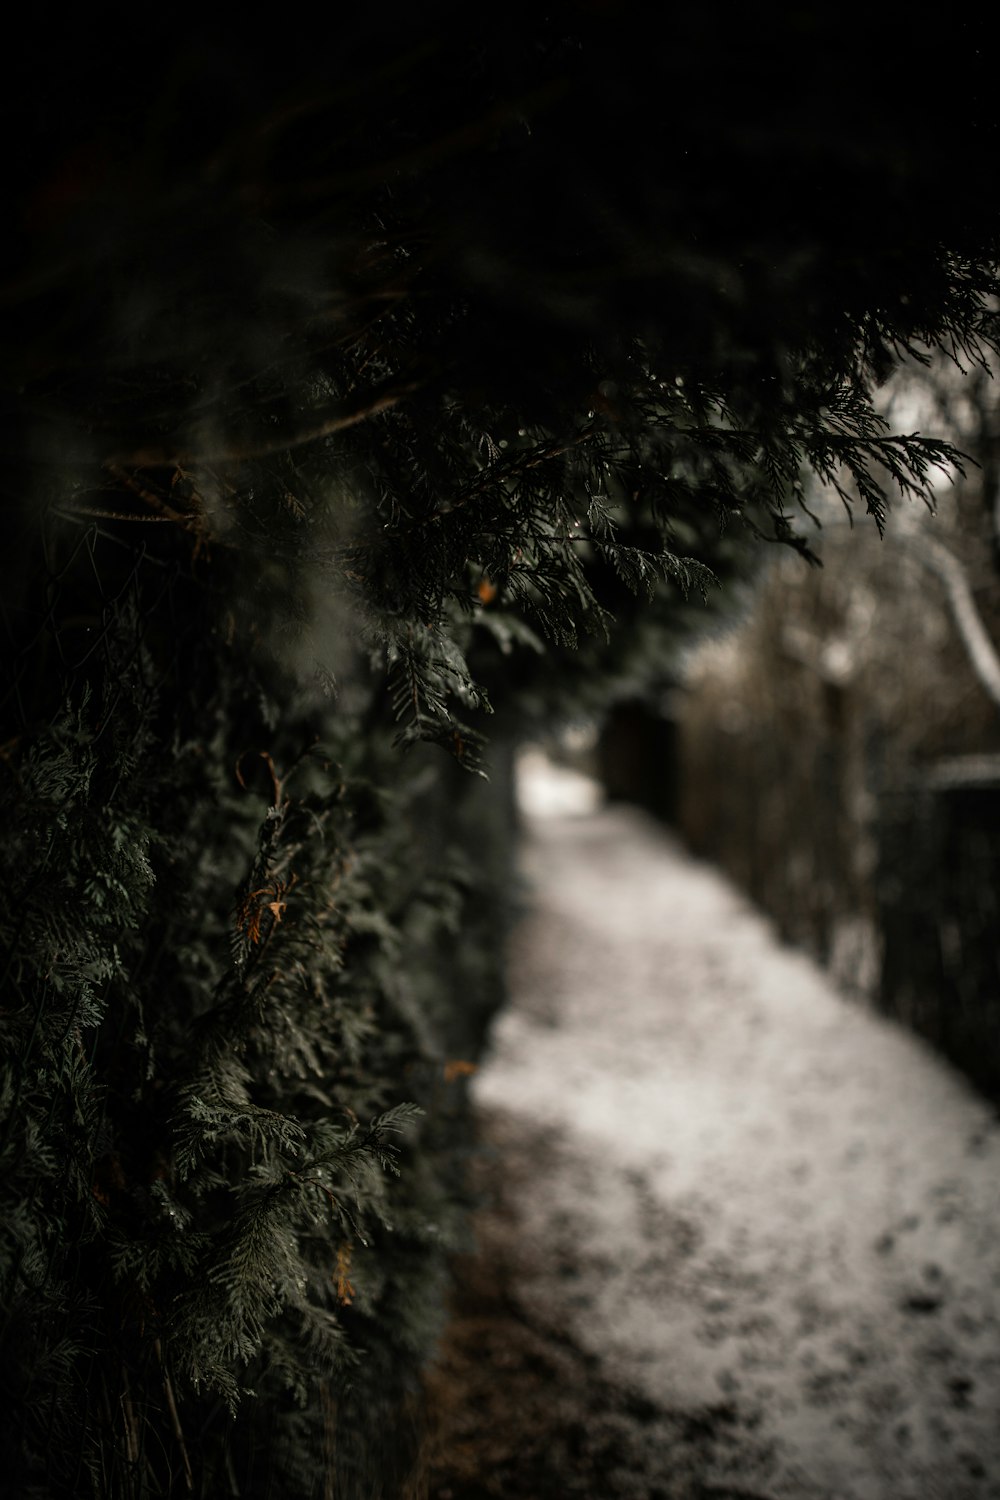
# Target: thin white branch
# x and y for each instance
(980, 650)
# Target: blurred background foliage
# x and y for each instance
(839, 744)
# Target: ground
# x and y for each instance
(738, 1236)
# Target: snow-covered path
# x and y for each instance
(750, 1199)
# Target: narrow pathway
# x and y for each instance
(768, 1216)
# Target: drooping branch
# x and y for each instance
(338, 420)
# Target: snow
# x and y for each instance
(749, 1196)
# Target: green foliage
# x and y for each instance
(209, 1056)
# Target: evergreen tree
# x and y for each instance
(349, 386)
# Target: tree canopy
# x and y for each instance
(473, 316)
